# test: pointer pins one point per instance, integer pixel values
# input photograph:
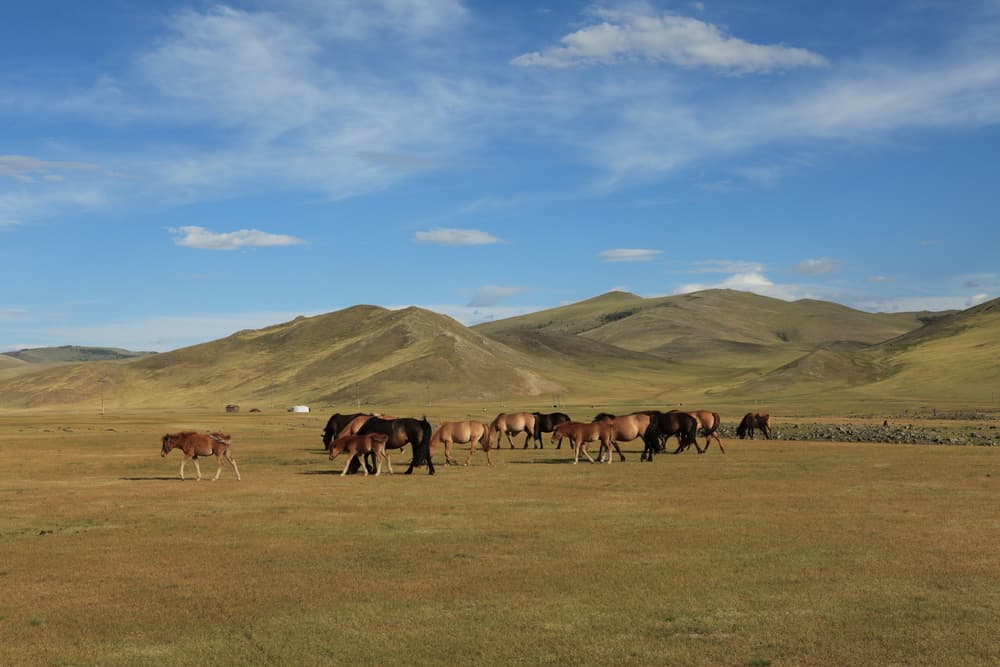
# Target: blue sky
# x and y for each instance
(172, 172)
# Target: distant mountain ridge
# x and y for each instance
(73, 354)
(715, 345)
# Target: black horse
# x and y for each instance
(416, 432)
(335, 425)
(663, 425)
(546, 423)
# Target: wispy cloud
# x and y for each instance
(491, 295)
(726, 266)
(629, 255)
(818, 266)
(27, 169)
(624, 36)
(456, 237)
(204, 239)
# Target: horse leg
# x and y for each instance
(218, 458)
(621, 457)
(583, 445)
(197, 467)
(472, 450)
(507, 433)
(232, 462)
(719, 440)
(183, 461)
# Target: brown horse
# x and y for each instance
(581, 434)
(754, 421)
(708, 425)
(627, 427)
(467, 432)
(200, 444)
(352, 427)
(506, 423)
(357, 446)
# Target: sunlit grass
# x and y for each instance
(774, 553)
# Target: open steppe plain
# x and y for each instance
(779, 552)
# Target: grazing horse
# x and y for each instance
(336, 424)
(754, 421)
(708, 424)
(357, 446)
(467, 432)
(544, 423)
(200, 444)
(404, 430)
(667, 424)
(580, 434)
(506, 423)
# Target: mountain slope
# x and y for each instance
(364, 352)
(955, 357)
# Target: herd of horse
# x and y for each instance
(367, 438)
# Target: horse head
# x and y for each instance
(167, 446)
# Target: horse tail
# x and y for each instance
(716, 422)
(425, 441)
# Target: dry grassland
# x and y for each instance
(781, 553)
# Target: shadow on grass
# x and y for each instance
(154, 479)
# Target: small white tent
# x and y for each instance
(299, 408)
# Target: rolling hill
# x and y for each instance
(719, 345)
(68, 354)
(361, 353)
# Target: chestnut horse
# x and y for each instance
(357, 446)
(200, 444)
(627, 427)
(467, 432)
(336, 424)
(581, 434)
(506, 423)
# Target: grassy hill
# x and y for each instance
(718, 347)
(361, 353)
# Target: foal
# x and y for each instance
(200, 444)
(358, 446)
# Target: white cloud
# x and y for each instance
(880, 279)
(818, 266)
(204, 239)
(456, 237)
(624, 36)
(629, 255)
(491, 295)
(747, 282)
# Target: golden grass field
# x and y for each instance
(776, 553)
